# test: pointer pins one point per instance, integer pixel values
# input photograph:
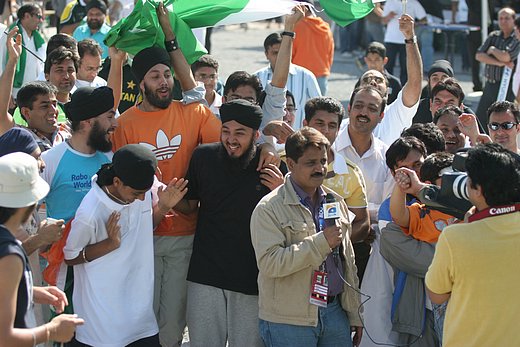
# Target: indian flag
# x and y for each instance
(141, 28)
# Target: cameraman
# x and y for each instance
(475, 263)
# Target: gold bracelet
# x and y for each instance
(84, 256)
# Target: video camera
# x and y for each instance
(452, 196)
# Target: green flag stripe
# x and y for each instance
(344, 12)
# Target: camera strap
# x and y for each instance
(494, 211)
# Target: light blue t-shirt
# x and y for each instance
(69, 174)
(83, 32)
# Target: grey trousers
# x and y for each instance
(216, 315)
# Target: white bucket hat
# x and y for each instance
(20, 184)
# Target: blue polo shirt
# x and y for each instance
(83, 32)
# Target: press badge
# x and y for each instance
(319, 289)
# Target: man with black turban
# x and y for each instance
(71, 164)
(222, 274)
(172, 130)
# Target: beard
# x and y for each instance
(242, 161)
(97, 139)
(155, 100)
(94, 24)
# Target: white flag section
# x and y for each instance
(259, 9)
(504, 83)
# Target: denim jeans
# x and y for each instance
(333, 330)
(396, 51)
(323, 83)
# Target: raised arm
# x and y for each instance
(14, 49)
(414, 66)
(283, 60)
(115, 75)
(181, 68)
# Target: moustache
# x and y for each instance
(317, 174)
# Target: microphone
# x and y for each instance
(331, 211)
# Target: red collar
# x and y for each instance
(494, 211)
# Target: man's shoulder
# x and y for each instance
(204, 150)
(275, 198)
(105, 28)
(55, 152)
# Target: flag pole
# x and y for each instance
(404, 6)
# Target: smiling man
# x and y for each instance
(60, 70)
(222, 289)
(447, 119)
(30, 66)
(95, 28)
(503, 120)
(71, 165)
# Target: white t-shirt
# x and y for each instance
(397, 117)
(113, 293)
(96, 83)
(379, 181)
(215, 106)
(413, 8)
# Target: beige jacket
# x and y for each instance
(288, 250)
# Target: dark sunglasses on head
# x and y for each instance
(506, 126)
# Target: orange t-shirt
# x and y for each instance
(172, 134)
(313, 46)
(426, 224)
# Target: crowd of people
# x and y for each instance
(140, 197)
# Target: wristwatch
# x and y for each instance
(289, 33)
(413, 40)
(171, 45)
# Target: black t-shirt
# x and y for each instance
(9, 246)
(223, 255)
(424, 115)
(130, 87)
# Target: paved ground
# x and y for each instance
(239, 49)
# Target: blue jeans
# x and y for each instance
(323, 83)
(333, 330)
(425, 38)
(396, 51)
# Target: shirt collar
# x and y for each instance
(339, 165)
(343, 140)
(104, 198)
(304, 197)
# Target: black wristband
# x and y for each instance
(413, 40)
(289, 33)
(171, 45)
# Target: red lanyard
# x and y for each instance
(494, 211)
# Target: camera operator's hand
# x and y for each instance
(408, 181)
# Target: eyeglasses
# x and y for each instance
(368, 79)
(506, 126)
(40, 17)
(291, 109)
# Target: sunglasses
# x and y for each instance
(37, 15)
(506, 125)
